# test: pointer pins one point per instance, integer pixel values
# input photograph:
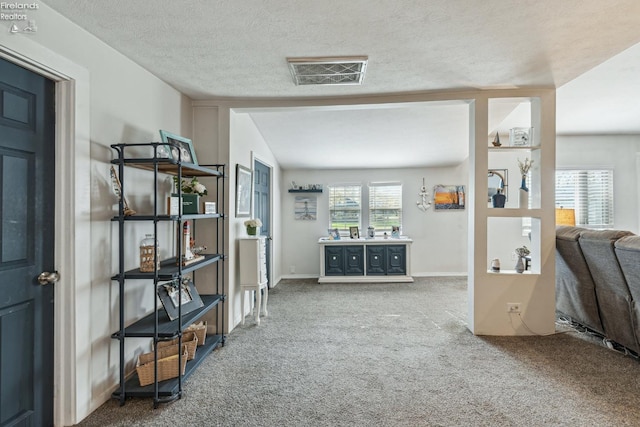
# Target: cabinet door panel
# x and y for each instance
(375, 260)
(396, 259)
(334, 261)
(354, 265)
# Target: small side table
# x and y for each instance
(253, 274)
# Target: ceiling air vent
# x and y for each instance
(328, 71)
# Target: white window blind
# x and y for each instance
(590, 193)
(345, 206)
(385, 206)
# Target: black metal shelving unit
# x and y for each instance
(157, 325)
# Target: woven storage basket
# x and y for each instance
(189, 341)
(200, 330)
(167, 365)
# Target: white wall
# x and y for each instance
(246, 144)
(127, 104)
(608, 152)
(440, 237)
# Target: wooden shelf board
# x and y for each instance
(144, 327)
(169, 269)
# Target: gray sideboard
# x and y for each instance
(365, 260)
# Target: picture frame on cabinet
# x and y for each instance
(354, 232)
(334, 234)
(244, 181)
(170, 293)
(180, 149)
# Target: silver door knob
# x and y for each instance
(46, 278)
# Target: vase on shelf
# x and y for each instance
(252, 231)
(520, 265)
(523, 193)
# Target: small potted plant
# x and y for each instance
(252, 226)
(192, 190)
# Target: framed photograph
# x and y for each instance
(520, 137)
(174, 294)
(334, 234)
(354, 232)
(497, 182)
(448, 197)
(181, 148)
(395, 232)
(244, 180)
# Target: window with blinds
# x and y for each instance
(590, 193)
(385, 206)
(345, 206)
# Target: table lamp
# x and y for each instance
(565, 216)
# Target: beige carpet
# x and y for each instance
(392, 355)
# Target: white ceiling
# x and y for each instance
(237, 50)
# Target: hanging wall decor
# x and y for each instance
(423, 202)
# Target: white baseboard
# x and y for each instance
(299, 276)
(440, 274)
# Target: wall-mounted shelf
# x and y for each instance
(305, 191)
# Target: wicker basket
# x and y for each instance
(189, 341)
(200, 330)
(167, 365)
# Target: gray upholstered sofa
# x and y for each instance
(598, 282)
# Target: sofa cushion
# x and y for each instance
(614, 297)
(575, 290)
(628, 253)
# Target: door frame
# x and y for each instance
(72, 346)
(255, 158)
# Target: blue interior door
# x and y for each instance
(27, 176)
(262, 206)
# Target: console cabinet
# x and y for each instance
(253, 274)
(344, 260)
(386, 260)
(365, 260)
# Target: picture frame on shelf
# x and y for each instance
(244, 181)
(520, 137)
(354, 232)
(172, 293)
(180, 148)
(497, 179)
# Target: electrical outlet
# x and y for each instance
(292, 269)
(514, 307)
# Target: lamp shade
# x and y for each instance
(565, 216)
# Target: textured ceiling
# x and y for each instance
(223, 49)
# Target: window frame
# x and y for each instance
(330, 190)
(371, 191)
(586, 199)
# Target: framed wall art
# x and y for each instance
(181, 148)
(306, 208)
(244, 180)
(449, 197)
